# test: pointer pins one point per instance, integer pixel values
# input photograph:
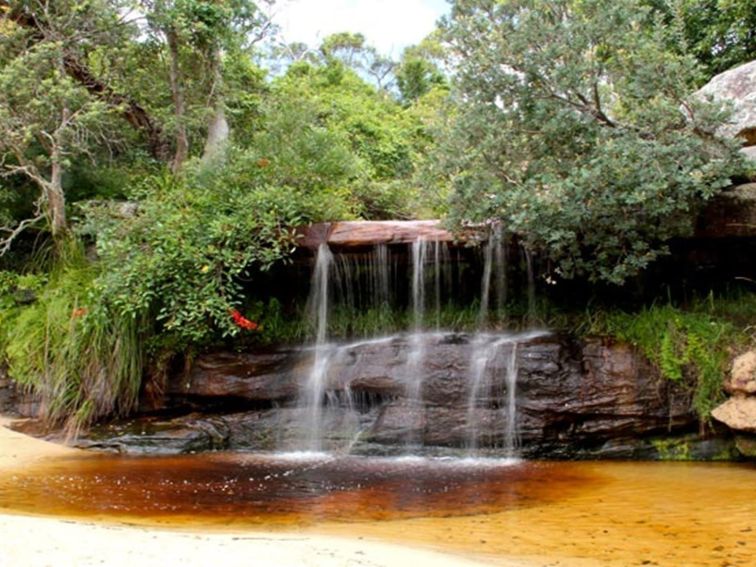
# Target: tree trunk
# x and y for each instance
(179, 105)
(56, 201)
(217, 130)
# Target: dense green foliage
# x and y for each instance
(576, 131)
(721, 34)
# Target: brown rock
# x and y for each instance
(313, 235)
(743, 374)
(738, 413)
(270, 376)
(360, 233)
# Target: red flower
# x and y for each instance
(79, 312)
(242, 321)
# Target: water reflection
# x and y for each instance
(301, 489)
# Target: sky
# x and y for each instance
(388, 25)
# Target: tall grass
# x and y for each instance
(82, 360)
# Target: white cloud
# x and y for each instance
(388, 25)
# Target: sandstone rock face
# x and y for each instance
(743, 374)
(267, 376)
(592, 398)
(738, 413)
(737, 86)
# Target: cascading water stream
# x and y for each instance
(414, 367)
(485, 351)
(511, 439)
(311, 398)
(331, 419)
(380, 277)
(441, 276)
(501, 267)
(485, 286)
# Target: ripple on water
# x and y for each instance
(301, 488)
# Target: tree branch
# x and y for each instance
(130, 109)
(13, 233)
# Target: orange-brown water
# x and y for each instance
(550, 513)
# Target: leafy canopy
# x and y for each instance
(575, 130)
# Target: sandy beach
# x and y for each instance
(29, 541)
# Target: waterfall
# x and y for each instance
(441, 276)
(501, 269)
(329, 416)
(531, 286)
(419, 252)
(485, 351)
(510, 418)
(380, 277)
(313, 391)
(485, 286)
(414, 368)
(319, 291)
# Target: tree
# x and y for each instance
(719, 33)
(204, 29)
(418, 71)
(575, 130)
(350, 50)
(46, 118)
(103, 26)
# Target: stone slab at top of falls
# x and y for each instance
(730, 214)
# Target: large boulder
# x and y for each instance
(738, 87)
(738, 413)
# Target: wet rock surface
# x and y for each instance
(266, 376)
(574, 399)
(14, 401)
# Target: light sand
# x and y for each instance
(36, 541)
